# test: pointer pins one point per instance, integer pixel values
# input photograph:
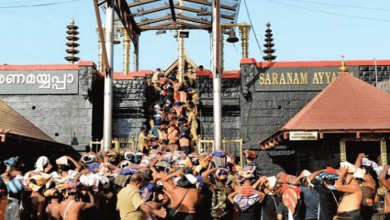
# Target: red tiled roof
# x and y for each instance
(312, 63)
(347, 105)
(18, 125)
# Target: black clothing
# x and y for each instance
(386, 216)
(366, 212)
(297, 215)
(252, 213)
(270, 204)
(350, 215)
(183, 216)
(186, 149)
(328, 203)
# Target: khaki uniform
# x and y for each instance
(194, 126)
(129, 200)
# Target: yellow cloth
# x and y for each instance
(129, 200)
(141, 140)
(155, 78)
(62, 160)
(192, 118)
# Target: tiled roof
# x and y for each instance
(18, 125)
(347, 105)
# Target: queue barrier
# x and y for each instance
(118, 144)
(207, 146)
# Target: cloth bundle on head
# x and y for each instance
(247, 172)
(41, 162)
(72, 187)
(162, 163)
(271, 181)
(62, 161)
(220, 172)
(326, 175)
(93, 166)
(147, 191)
(88, 158)
(330, 170)
(219, 158)
(125, 165)
(359, 174)
(252, 154)
(36, 182)
(93, 180)
(51, 192)
(370, 163)
(130, 156)
(351, 168)
(285, 178)
(11, 161)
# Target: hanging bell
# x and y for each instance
(232, 36)
(116, 39)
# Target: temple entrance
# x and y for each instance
(370, 148)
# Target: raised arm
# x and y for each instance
(345, 188)
(170, 187)
(314, 174)
(78, 166)
(91, 203)
(382, 177)
(358, 162)
(297, 180)
(259, 182)
(230, 197)
(208, 172)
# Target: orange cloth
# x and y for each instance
(290, 199)
(246, 191)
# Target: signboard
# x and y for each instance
(303, 136)
(39, 82)
(298, 78)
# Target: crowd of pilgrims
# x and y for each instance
(187, 186)
(166, 178)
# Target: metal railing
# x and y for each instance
(118, 144)
(232, 146)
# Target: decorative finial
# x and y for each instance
(269, 51)
(72, 38)
(343, 67)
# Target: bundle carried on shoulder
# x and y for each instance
(283, 177)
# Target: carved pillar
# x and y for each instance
(383, 152)
(244, 29)
(126, 52)
(343, 152)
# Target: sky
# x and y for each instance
(304, 30)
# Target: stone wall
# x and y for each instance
(129, 107)
(65, 118)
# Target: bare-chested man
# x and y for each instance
(183, 201)
(54, 207)
(385, 181)
(158, 173)
(353, 194)
(70, 209)
(369, 188)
